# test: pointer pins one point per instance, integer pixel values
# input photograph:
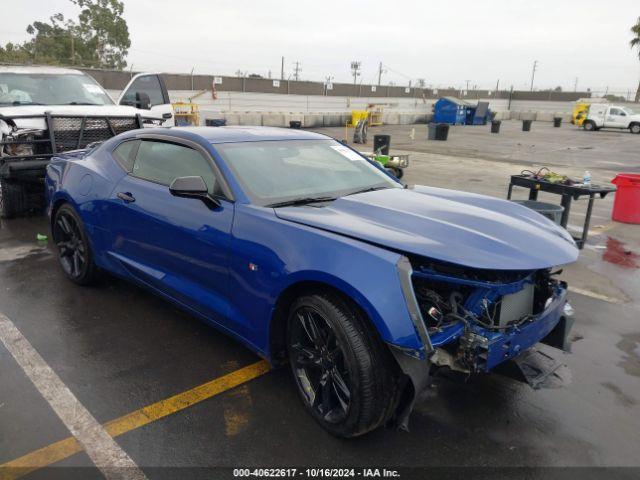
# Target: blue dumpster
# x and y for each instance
(450, 110)
(455, 111)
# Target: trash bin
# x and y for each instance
(431, 131)
(442, 131)
(382, 142)
(215, 122)
(626, 204)
(551, 211)
(495, 126)
(557, 122)
(526, 125)
(297, 124)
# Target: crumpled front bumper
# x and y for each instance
(551, 327)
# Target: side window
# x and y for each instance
(124, 153)
(149, 84)
(163, 162)
(615, 111)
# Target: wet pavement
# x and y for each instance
(118, 348)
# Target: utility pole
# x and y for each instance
(296, 70)
(575, 85)
(497, 87)
(380, 72)
(282, 69)
(467, 89)
(533, 73)
(355, 70)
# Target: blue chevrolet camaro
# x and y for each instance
(309, 254)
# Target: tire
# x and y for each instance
(635, 128)
(344, 374)
(589, 126)
(74, 250)
(13, 199)
(398, 172)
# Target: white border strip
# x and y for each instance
(103, 450)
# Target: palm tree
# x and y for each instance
(635, 43)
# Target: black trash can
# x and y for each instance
(442, 131)
(382, 143)
(526, 125)
(431, 131)
(557, 122)
(550, 210)
(215, 122)
(495, 126)
(297, 124)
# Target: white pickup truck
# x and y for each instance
(46, 110)
(601, 115)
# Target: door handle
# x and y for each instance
(126, 197)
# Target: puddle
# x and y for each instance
(622, 398)
(9, 254)
(616, 253)
(630, 344)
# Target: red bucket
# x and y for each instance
(626, 206)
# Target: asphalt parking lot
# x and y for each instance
(174, 393)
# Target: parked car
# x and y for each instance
(310, 254)
(611, 116)
(46, 110)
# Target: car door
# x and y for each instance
(616, 118)
(179, 246)
(147, 91)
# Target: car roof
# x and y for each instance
(36, 69)
(238, 133)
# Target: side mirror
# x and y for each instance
(193, 187)
(143, 101)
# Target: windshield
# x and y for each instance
(628, 110)
(50, 89)
(277, 171)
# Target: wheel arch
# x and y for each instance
(301, 286)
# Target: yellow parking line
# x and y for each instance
(69, 446)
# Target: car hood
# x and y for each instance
(80, 110)
(447, 225)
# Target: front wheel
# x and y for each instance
(74, 250)
(345, 376)
(589, 126)
(635, 128)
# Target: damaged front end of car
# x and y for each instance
(473, 320)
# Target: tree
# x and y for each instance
(98, 38)
(635, 43)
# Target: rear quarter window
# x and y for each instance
(125, 154)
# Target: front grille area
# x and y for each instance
(71, 133)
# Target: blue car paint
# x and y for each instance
(200, 259)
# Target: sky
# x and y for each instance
(447, 43)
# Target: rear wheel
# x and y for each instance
(635, 128)
(343, 372)
(74, 251)
(13, 199)
(589, 126)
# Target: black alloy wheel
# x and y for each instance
(319, 366)
(74, 252)
(345, 376)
